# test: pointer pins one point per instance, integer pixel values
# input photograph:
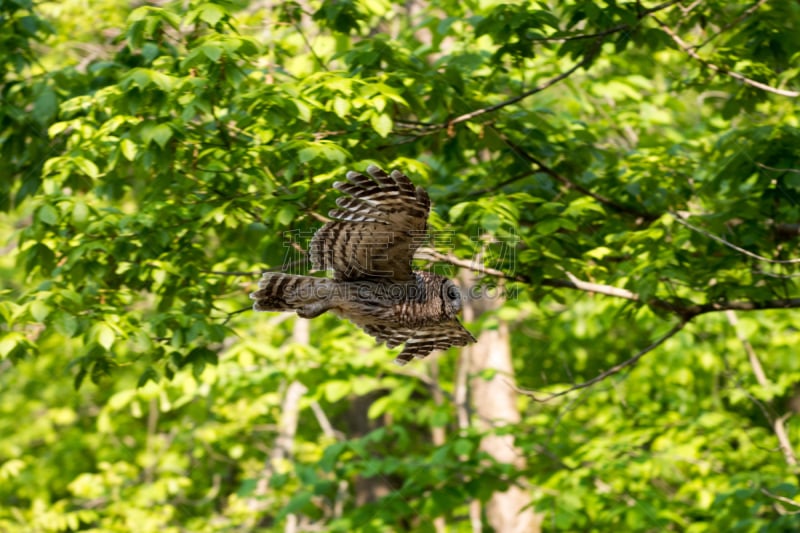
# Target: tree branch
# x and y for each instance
(595, 288)
(603, 375)
(746, 13)
(428, 128)
(490, 190)
(696, 310)
(779, 427)
(686, 47)
(755, 363)
(539, 88)
(474, 266)
(778, 422)
(234, 313)
(686, 311)
(232, 273)
(318, 59)
(680, 220)
(609, 31)
(767, 167)
(524, 154)
(783, 499)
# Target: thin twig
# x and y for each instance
(539, 88)
(684, 222)
(688, 9)
(780, 498)
(659, 7)
(686, 47)
(603, 375)
(774, 275)
(767, 167)
(232, 273)
(428, 128)
(475, 266)
(746, 13)
(692, 311)
(608, 31)
(524, 154)
(508, 181)
(318, 59)
(755, 363)
(600, 289)
(325, 422)
(779, 426)
(234, 313)
(582, 36)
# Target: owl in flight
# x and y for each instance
(369, 245)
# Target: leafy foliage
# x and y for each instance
(621, 168)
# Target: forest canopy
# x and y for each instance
(616, 182)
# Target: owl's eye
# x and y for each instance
(453, 294)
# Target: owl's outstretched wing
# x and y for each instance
(378, 226)
(421, 342)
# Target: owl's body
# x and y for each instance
(369, 246)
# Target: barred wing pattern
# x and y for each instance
(378, 226)
(422, 341)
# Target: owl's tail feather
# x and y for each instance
(307, 295)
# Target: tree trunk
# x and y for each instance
(283, 449)
(494, 405)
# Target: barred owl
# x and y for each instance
(369, 245)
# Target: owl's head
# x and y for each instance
(451, 296)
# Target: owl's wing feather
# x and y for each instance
(392, 336)
(421, 342)
(376, 229)
(439, 336)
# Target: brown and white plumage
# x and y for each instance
(369, 246)
(377, 228)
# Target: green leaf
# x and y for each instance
(463, 447)
(47, 214)
(211, 51)
(128, 148)
(379, 407)
(149, 374)
(331, 455)
(299, 502)
(79, 377)
(341, 106)
(65, 324)
(336, 390)
(39, 310)
(212, 14)
(80, 213)
(382, 124)
(104, 335)
(46, 105)
(9, 342)
(142, 12)
(41, 257)
(458, 209)
(322, 150)
(86, 166)
(158, 133)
